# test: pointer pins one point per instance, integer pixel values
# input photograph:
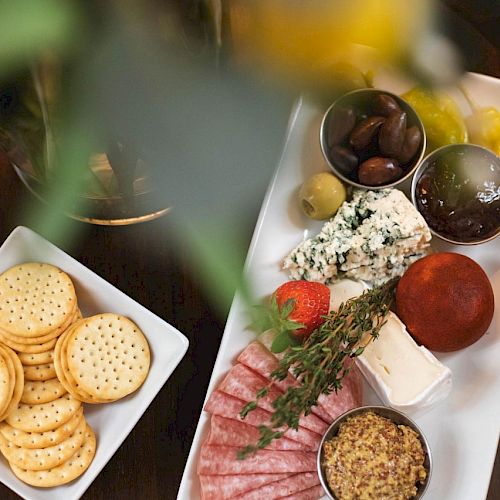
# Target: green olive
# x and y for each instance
(321, 196)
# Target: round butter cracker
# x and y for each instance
(44, 338)
(44, 458)
(18, 382)
(62, 373)
(39, 372)
(108, 356)
(43, 417)
(29, 348)
(69, 381)
(41, 439)
(42, 391)
(75, 466)
(39, 358)
(35, 299)
(7, 381)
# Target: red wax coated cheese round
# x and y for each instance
(446, 301)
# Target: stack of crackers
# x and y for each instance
(62, 360)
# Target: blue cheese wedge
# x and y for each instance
(373, 238)
(404, 375)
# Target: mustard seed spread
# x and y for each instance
(373, 458)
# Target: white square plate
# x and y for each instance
(111, 422)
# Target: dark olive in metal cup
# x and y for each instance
(392, 134)
(397, 418)
(384, 105)
(366, 103)
(378, 170)
(340, 126)
(364, 132)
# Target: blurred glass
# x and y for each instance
(116, 188)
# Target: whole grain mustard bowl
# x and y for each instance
(374, 450)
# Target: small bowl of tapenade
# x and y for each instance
(374, 452)
(372, 139)
(457, 190)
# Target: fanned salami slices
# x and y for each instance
(224, 405)
(287, 467)
(259, 359)
(229, 432)
(223, 460)
(243, 383)
(309, 494)
(284, 487)
(230, 486)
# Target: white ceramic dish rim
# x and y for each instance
(163, 360)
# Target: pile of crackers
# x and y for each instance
(51, 360)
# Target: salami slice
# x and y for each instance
(230, 486)
(351, 395)
(229, 432)
(220, 460)
(283, 488)
(262, 361)
(243, 383)
(310, 494)
(220, 403)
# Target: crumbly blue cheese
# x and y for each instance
(374, 237)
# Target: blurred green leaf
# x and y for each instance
(27, 27)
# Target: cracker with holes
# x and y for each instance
(16, 380)
(42, 391)
(39, 372)
(65, 376)
(43, 458)
(44, 338)
(40, 358)
(43, 417)
(6, 381)
(41, 439)
(35, 299)
(28, 348)
(108, 356)
(69, 470)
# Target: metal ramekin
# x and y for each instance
(424, 165)
(360, 101)
(398, 418)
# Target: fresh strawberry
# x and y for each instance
(311, 301)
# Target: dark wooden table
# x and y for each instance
(147, 263)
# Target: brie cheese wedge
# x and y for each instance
(405, 376)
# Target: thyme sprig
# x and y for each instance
(320, 363)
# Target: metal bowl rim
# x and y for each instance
(421, 168)
(376, 409)
(399, 100)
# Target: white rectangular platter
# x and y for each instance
(111, 422)
(463, 430)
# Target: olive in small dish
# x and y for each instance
(372, 138)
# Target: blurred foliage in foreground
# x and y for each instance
(199, 91)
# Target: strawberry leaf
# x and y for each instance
(292, 325)
(287, 308)
(280, 342)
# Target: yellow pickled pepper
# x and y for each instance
(443, 122)
(484, 128)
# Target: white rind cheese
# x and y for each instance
(373, 238)
(404, 375)
(343, 290)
